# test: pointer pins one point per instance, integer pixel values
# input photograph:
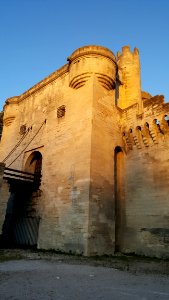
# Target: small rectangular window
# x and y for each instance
(61, 111)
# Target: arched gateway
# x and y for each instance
(22, 219)
(119, 198)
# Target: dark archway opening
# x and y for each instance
(20, 228)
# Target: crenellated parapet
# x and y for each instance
(129, 92)
(149, 130)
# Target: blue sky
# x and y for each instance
(37, 36)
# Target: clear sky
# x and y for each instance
(37, 36)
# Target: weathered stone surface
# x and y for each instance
(105, 159)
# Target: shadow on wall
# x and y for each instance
(120, 219)
(21, 225)
(1, 124)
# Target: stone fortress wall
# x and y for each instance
(104, 147)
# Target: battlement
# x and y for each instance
(126, 51)
(148, 129)
(156, 100)
(148, 133)
(129, 76)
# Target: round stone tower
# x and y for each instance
(92, 59)
(10, 110)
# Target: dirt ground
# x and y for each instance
(46, 275)
(131, 263)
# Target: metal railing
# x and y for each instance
(22, 177)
